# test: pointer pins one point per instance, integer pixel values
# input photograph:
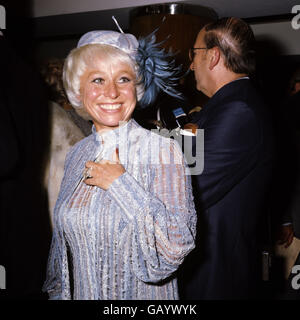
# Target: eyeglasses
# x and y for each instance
(192, 53)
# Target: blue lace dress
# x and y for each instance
(126, 242)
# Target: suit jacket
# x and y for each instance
(230, 195)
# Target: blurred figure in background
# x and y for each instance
(288, 244)
(66, 128)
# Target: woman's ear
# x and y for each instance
(78, 97)
(214, 57)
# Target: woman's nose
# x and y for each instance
(111, 91)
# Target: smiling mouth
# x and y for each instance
(110, 106)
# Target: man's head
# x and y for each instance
(224, 48)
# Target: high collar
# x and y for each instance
(106, 143)
(229, 90)
(110, 135)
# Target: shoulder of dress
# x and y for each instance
(83, 143)
(82, 147)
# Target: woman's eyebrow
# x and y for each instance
(96, 72)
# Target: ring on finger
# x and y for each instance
(88, 173)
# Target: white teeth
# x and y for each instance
(110, 106)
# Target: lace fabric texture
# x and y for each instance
(126, 242)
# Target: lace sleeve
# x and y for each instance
(52, 284)
(162, 219)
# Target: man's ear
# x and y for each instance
(214, 58)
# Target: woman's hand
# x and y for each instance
(104, 173)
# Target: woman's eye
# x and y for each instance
(124, 80)
(98, 80)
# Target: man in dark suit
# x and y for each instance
(232, 190)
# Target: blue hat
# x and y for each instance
(157, 69)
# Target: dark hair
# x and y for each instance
(51, 72)
(236, 41)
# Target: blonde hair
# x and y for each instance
(77, 63)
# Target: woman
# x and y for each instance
(122, 229)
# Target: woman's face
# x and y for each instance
(108, 92)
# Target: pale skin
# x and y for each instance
(108, 94)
